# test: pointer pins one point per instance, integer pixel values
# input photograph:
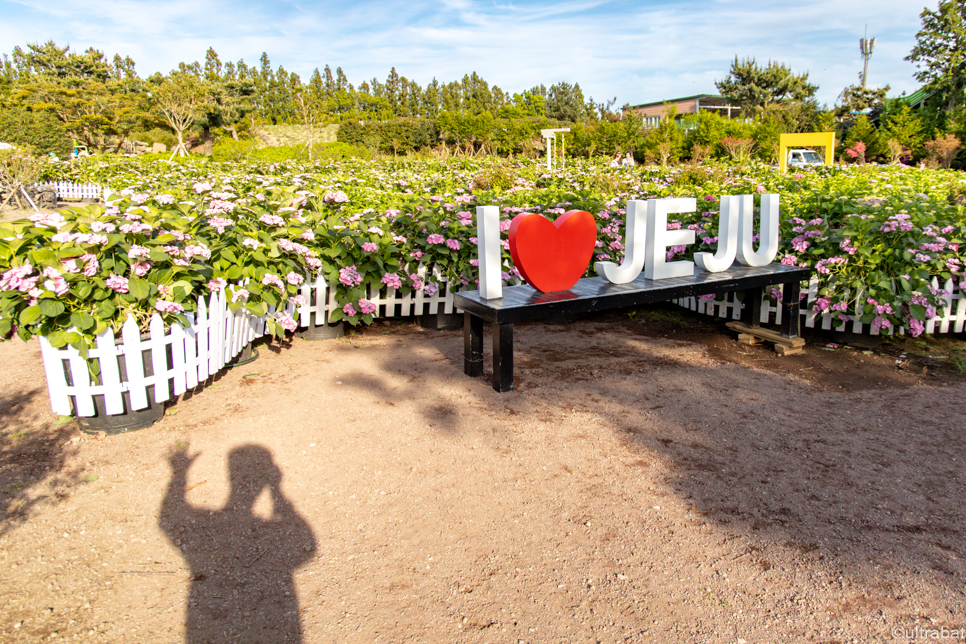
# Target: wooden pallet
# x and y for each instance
(756, 334)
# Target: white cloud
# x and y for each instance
(638, 51)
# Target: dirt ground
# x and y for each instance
(649, 480)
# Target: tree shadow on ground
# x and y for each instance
(242, 566)
(863, 480)
(32, 451)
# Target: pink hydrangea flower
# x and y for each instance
(217, 284)
(45, 220)
(916, 327)
(335, 197)
(91, 265)
(117, 283)
(136, 227)
(197, 249)
(271, 279)
(367, 307)
(272, 220)
(103, 227)
(220, 223)
(287, 321)
(370, 247)
(294, 278)
(392, 280)
(141, 268)
(435, 238)
(56, 283)
(168, 307)
(348, 309)
(350, 276)
(452, 244)
(11, 280)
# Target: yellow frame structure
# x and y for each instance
(824, 139)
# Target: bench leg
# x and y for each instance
(791, 294)
(472, 345)
(751, 314)
(503, 357)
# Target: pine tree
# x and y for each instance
(940, 51)
(754, 88)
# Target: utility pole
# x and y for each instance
(866, 46)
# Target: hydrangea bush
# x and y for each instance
(875, 235)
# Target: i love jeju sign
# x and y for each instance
(552, 256)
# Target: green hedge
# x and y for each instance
(40, 131)
(245, 150)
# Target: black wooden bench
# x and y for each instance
(593, 294)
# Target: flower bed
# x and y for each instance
(876, 236)
(184, 356)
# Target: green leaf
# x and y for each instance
(51, 308)
(234, 272)
(139, 288)
(61, 338)
(83, 347)
(82, 320)
(106, 309)
(82, 290)
(30, 315)
(45, 256)
(918, 311)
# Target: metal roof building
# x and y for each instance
(652, 112)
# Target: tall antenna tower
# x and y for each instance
(866, 46)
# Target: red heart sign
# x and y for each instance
(552, 256)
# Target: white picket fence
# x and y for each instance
(181, 358)
(321, 299)
(953, 319)
(75, 191)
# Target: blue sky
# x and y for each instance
(637, 52)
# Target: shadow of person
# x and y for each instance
(242, 586)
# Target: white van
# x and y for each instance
(801, 157)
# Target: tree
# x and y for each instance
(900, 124)
(755, 88)
(863, 131)
(856, 99)
(565, 102)
(181, 98)
(940, 51)
(89, 95)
